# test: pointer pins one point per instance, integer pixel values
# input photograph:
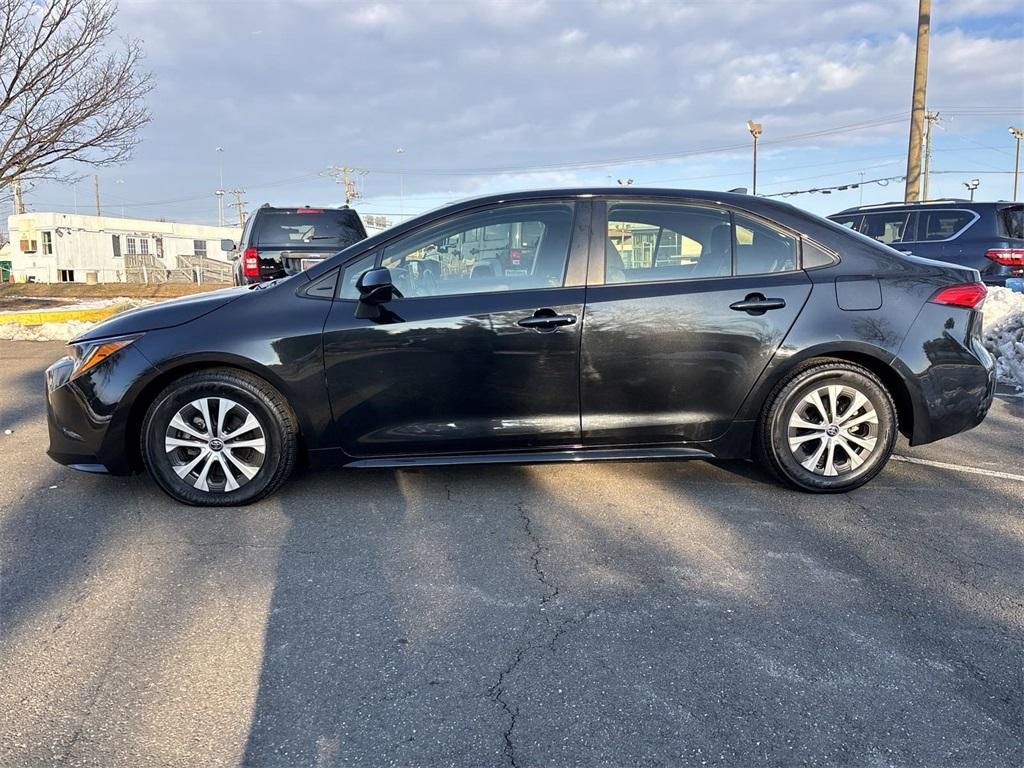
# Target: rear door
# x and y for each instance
(686, 304)
(481, 354)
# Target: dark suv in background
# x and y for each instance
(277, 242)
(988, 237)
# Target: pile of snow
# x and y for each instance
(1003, 334)
(46, 332)
(67, 330)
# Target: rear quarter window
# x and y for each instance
(942, 225)
(1011, 221)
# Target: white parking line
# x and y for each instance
(958, 468)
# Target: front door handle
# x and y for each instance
(547, 320)
(757, 304)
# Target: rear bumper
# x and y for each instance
(948, 372)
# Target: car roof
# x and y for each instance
(952, 202)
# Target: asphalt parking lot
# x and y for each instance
(600, 614)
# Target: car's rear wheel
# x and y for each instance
(219, 437)
(828, 428)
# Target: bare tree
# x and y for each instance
(68, 90)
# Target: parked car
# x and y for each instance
(277, 242)
(988, 237)
(787, 337)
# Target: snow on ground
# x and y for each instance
(67, 330)
(1003, 333)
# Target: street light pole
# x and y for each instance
(220, 188)
(1018, 134)
(401, 186)
(972, 185)
(755, 131)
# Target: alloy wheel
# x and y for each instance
(833, 430)
(215, 444)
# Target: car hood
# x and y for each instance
(165, 314)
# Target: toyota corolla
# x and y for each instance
(583, 324)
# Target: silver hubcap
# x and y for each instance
(215, 444)
(833, 430)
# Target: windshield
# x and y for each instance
(296, 229)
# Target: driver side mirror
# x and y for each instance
(375, 288)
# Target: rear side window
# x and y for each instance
(308, 227)
(650, 242)
(942, 225)
(850, 222)
(1011, 221)
(761, 249)
(888, 227)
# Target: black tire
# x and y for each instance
(277, 428)
(787, 402)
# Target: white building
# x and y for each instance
(70, 247)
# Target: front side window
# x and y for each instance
(513, 248)
(657, 241)
(888, 228)
(942, 225)
(761, 250)
(350, 275)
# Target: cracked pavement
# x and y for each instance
(593, 615)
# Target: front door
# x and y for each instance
(692, 303)
(482, 352)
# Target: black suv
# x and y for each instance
(277, 242)
(988, 237)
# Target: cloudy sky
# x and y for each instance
(509, 94)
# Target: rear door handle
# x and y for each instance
(547, 320)
(757, 304)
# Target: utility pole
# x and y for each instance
(861, 187)
(19, 200)
(239, 204)
(924, 17)
(96, 189)
(930, 118)
(1018, 134)
(342, 175)
(755, 131)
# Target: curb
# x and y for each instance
(59, 316)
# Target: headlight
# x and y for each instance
(86, 355)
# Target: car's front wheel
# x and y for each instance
(219, 437)
(828, 428)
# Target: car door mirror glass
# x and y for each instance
(227, 245)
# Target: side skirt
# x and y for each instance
(532, 457)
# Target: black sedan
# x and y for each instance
(540, 327)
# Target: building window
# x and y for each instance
(133, 246)
(144, 246)
(66, 275)
(199, 248)
(47, 243)
(115, 241)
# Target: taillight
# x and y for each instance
(251, 263)
(1008, 257)
(515, 256)
(968, 295)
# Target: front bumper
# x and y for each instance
(88, 418)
